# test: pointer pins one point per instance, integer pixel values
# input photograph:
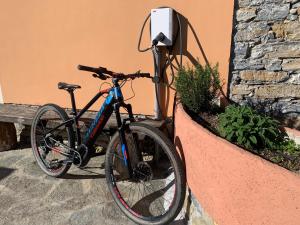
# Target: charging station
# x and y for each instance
(162, 22)
(163, 34)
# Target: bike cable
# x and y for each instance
(133, 93)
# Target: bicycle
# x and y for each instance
(143, 170)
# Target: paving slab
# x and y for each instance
(30, 197)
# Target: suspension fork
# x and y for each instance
(135, 138)
(124, 146)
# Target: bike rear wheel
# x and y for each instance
(51, 151)
(155, 192)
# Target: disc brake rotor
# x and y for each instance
(143, 172)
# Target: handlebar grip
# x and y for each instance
(145, 75)
(92, 69)
(87, 68)
(137, 75)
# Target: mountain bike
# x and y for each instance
(144, 172)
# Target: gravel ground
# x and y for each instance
(30, 197)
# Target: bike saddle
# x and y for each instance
(68, 87)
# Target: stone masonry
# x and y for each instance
(8, 138)
(266, 57)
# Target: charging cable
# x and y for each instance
(155, 51)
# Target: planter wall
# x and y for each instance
(233, 185)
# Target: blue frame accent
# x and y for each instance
(124, 154)
(107, 101)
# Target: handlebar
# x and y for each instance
(103, 73)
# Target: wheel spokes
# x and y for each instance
(50, 146)
(147, 195)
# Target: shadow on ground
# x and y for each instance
(4, 172)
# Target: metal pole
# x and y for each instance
(158, 87)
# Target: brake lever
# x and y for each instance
(101, 77)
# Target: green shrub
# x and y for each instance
(197, 87)
(289, 147)
(244, 126)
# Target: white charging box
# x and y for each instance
(162, 21)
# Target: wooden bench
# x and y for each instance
(19, 114)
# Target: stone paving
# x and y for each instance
(30, 197)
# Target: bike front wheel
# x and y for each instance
(154, 192)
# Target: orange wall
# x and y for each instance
(43, 41)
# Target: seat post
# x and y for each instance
(74, 110)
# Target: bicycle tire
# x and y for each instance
(180, 180)
(60, 170)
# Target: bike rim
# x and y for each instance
(148, 196)
(48, 149)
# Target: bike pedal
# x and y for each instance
(99, 149)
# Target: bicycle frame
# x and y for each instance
(113, 101)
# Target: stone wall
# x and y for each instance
(266, 55)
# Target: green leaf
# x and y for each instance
(253, 139)
(240, 140)
(229, 136)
